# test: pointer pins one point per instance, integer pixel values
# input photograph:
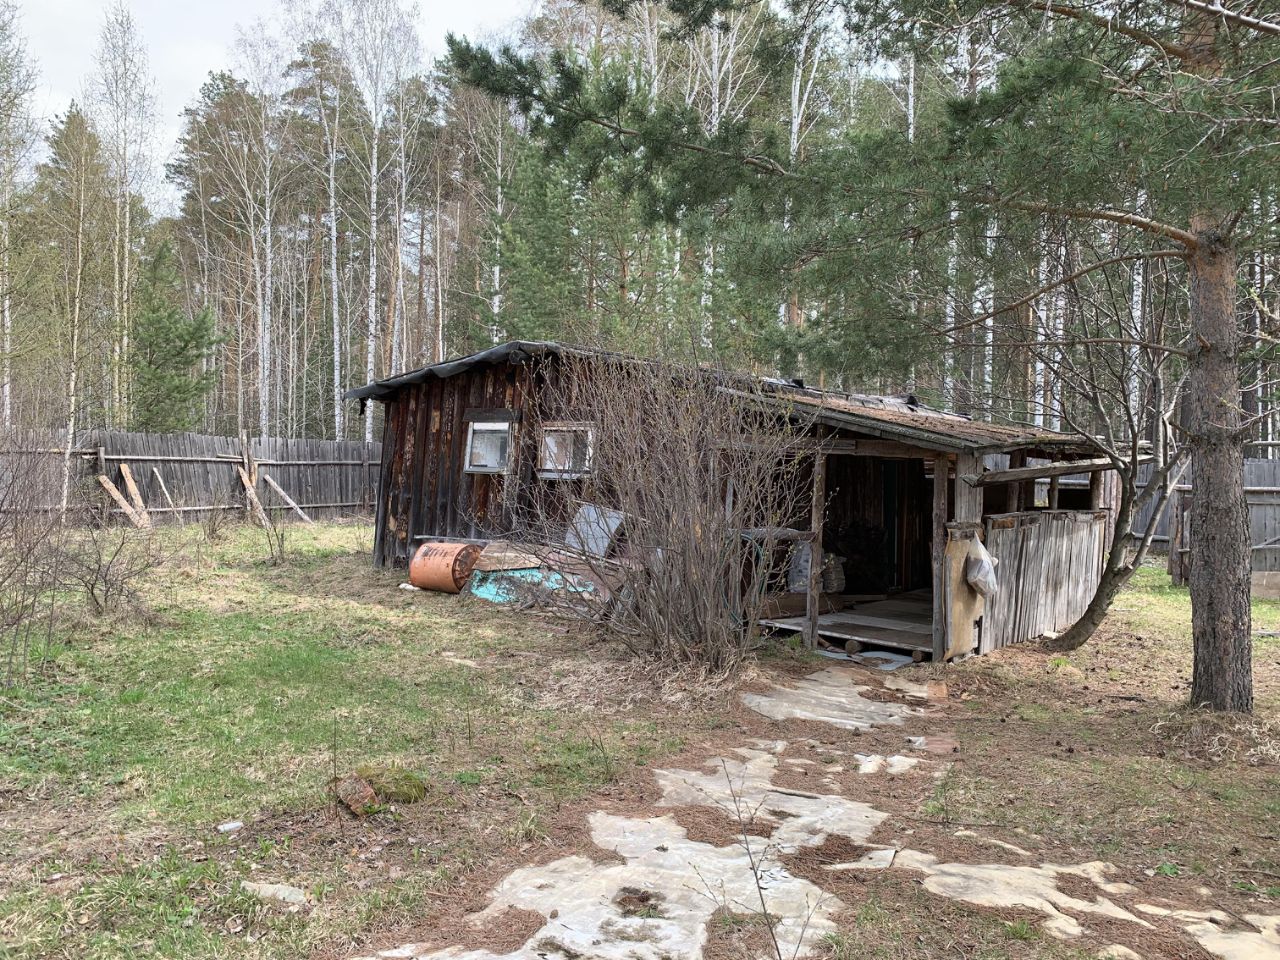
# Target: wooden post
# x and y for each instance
(941, 492)
(1096, 494)
(1053, 493)
(968, 498)
(139, 520)
(164, 489)
(284, 496)
(1013, 503)
(817, 514)
(968, 511)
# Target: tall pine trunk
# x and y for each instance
(1222, 676)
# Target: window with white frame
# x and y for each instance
(566, 450)
(488, 447)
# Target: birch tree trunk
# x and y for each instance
(6, 307)
(371, 300)
(339, 423)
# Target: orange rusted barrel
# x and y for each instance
(443, 566)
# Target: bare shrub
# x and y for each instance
(31, 537)
(213, 524)
(1222, 737)
(276, 534)
(671, 490)
(109, 563)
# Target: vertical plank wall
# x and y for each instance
(327, 478)
(1049, 563)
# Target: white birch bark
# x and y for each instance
(123, 95)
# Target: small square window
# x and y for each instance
(488, 447)
(566, 451)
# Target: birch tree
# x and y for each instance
(124, 102)
(17, 133)
(378, 39)
(72, 190)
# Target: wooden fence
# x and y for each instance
(1049, 563)
(1262, 493)
(189, 474)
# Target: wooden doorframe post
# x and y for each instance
(938, 551)
(817, 513)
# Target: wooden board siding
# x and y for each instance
(425, 490)
(191, 474)
(1049, 565)
(879, 517)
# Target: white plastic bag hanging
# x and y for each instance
(980, 568)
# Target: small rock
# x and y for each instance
(275, 891)
(358, 796)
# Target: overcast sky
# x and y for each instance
(186, 40)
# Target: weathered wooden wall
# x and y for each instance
(424, 487)
(327, 478)
(1262, 491)
(878, 517)
(1049, 563)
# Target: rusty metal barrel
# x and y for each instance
(443, 566)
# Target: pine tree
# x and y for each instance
(171, 347)
(1151, 120)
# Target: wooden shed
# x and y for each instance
(900, 491)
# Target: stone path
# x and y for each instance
(654, 903)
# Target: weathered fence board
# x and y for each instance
(185, 474)
(1048, 565)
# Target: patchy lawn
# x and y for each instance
(247, 687)
(238, 696)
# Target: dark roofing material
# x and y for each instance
(933, 428)
(514, 351)
(890, 417)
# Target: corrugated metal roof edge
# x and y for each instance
(943, 442)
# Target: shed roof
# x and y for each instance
(893, 417)
(513, 351)
(897, 418)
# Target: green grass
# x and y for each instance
(1152, 602)
(217, 713)
(238, 695)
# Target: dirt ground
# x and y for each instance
(140, 739)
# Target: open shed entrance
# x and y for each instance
(877, 543)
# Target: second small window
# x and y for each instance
(566, 450)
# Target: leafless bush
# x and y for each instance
(213, 524)
(31, 537)
(109, 562)
(670, 491)
(276, 534)
(1222, 737)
